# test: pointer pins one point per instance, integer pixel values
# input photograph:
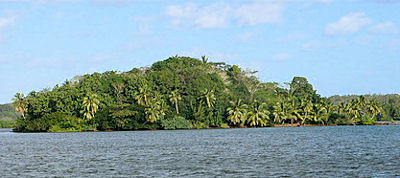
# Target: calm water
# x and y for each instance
(362, 151)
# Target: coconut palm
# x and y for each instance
(279, 113)
(204, 60)
(237, 112)
(341, 109)
(163, 108)
(156, 109)
(20, 104)
(258, 116)
(209, 97)
(142, 95)
(292, 112)
(90, 105)
(320, 114)
(305, 108)
(361, 101)
(198, 111)
(353, 110)
(152, 112)
(175, 97)
(373, 108)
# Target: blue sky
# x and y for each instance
(342, 47)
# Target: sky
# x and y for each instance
(342, 47)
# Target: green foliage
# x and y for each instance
(367, 120)
(177, 122)
(8, 116)
(184, 92)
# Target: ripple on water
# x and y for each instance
(364, 151)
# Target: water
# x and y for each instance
(361, 151)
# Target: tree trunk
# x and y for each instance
(176, 107)
(305, 118)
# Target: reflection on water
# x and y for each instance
(361, 151)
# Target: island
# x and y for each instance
(189, 93)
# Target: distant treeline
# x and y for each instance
(390, 103)
(8, 116)
(183, 93)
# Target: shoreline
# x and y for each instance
(279, 125)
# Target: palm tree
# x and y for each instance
(353, 111)
(152, 112)
(19, 103)
(90, 105)
(142, 95)
(361, 101)
(341, 109)
(156, 109)
(279, 113)
(209, 97)
(306, 109)
(175, 97)
(320, 114)
(258, 116)
(237, 112)
(163, 108)
(204, 60)
(198, 112)
(373, 108)
(292, 112)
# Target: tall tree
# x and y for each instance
(279, 112)
(237, 112)
(174, 98)
(20, 104)
(373, 108)
(353, 111)
(118, 89)
(90, 105)
(320, 114)
(209, 97)
(306, 108)
(258, 115)
(142, 95)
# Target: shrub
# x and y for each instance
(177, 122)
(368, 120)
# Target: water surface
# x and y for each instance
(361, 151)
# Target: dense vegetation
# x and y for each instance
(181, 93)
(7, 116)
(390, 104)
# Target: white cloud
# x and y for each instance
(212, 16)
(259, 12)
(311, 45)
(291, 37)
(6, 22)
(180, 13)
(347, 24)
(385, 28)
(143, 24)
(244, 37)
(143, 29)
(281, 57)
(220, 14)
(327, 44)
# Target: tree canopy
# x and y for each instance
(183, 92)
